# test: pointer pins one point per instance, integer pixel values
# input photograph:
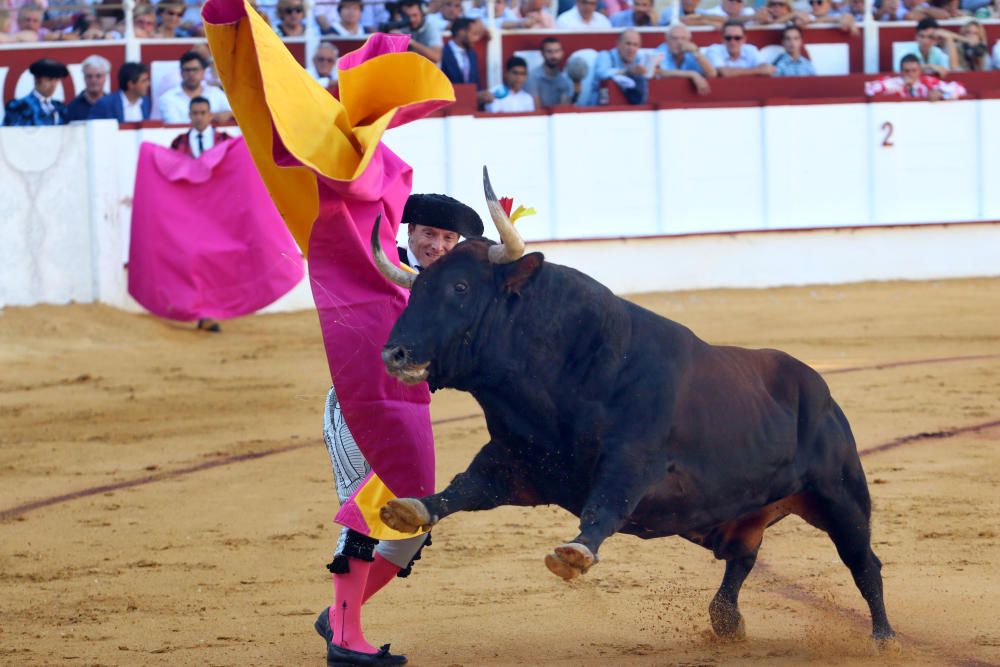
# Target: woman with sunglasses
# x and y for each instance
(290, 15)
(170, 13)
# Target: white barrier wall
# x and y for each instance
(65, 194)
(682, 171)
(45, 234)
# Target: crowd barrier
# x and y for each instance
(761, 195)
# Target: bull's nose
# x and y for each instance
(394, 356)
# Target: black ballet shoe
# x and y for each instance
(209, 325)
(338, 656)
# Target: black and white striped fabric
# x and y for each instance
(350, 469)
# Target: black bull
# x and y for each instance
(629, 421)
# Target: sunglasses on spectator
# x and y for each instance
(732, 38)
(816, 2)
(188, 70)
(322, 59)
(294, 10)
(777, 4)
(173, 13)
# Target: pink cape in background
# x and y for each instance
(207, 241)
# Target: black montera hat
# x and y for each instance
(443, 212)
(48, 67)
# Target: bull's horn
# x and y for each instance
(511, 244)
(392, 272)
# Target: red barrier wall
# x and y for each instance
(674, 93)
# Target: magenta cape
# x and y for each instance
(330, 176)
(206, 239)
(357, 307)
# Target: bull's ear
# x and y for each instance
(516, 274)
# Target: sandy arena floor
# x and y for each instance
(165, 499)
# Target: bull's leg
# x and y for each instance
(620, 484)
(848, 524)
(841, 505)
(488, 482)
(724, 609)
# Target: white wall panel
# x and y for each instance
(989, 147)
(424, 146)
(110, 219)
(816, 156)
(604, 166)
(516, 150)
(929, 173)
(45, 244)
(711, 170)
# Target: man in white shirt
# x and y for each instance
(734, 57)
(584, 15)
(324, 67)
(511, 97)
(175, 103)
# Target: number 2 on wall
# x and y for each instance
(887, 139)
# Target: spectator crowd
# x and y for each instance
(550, 79)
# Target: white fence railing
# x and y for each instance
(836, 176)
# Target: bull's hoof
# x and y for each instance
(887, 646)
(407, 515)
(727, 621)
(570, 560)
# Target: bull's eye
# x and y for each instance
(461, 288)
